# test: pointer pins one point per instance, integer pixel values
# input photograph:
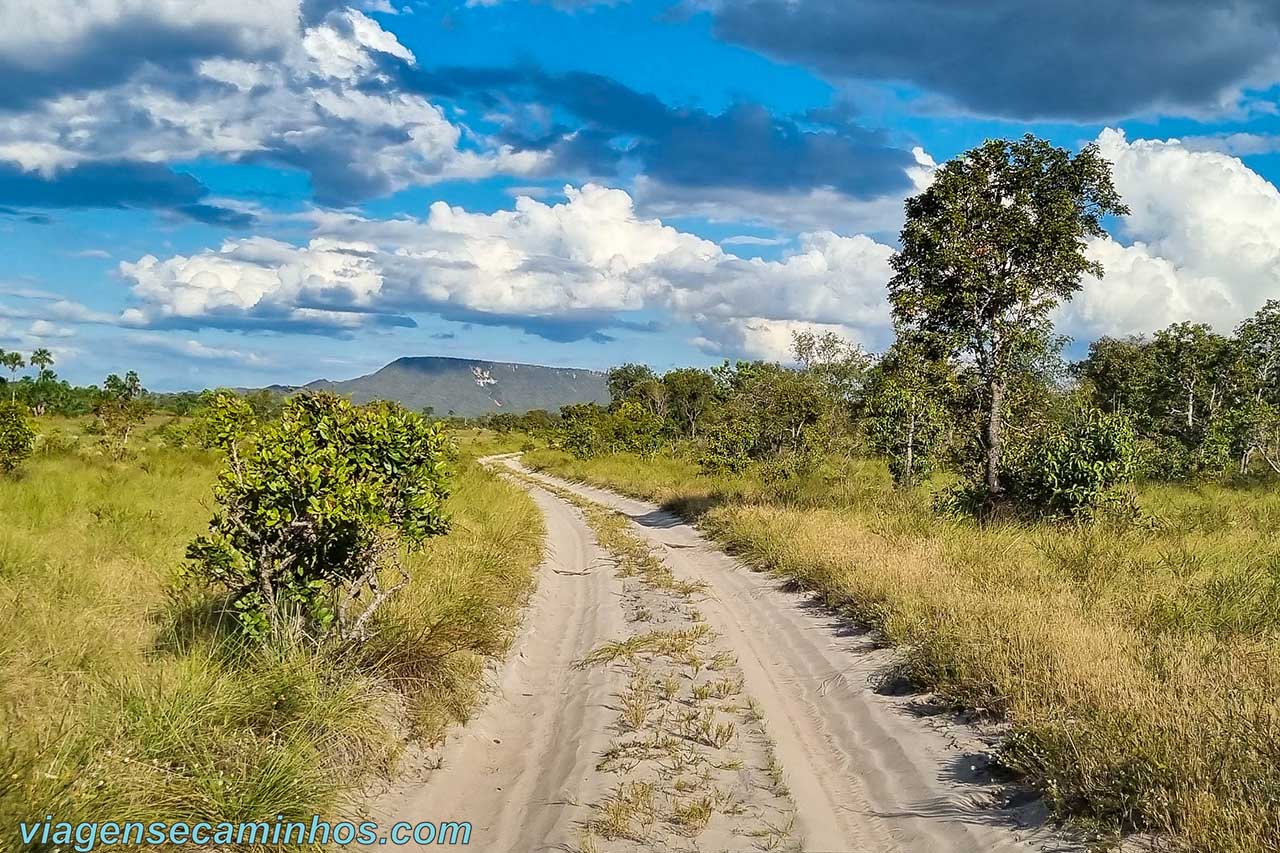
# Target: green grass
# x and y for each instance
(1138, 668)
(124, 696)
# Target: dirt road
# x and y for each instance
(851, 769)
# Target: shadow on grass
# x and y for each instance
(197, 619)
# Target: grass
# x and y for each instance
(1137, 667)
(124, 696)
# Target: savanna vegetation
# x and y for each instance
(239, 612)
(1085, 550)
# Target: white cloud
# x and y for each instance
(754, 240)
(46, 33)
(1139, 292)
(1236, 144)
(581, 261)
(1206, 232)
(256, 279)
(45, 329)
(193, 349)
(307, 95)
(757, 337)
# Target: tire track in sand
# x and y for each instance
(523, 768)
(866, 774)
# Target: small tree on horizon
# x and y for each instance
(989, 250)
(120, 409)
(13, 362)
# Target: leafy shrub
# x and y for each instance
(906, 425)
(1163, 458)
(1239, 435)
(1070, 470)
(226, 420)
(54, 442)
(726, 445)
(17, 438)
(121, 408)
(315, 507)
(580, 432)
(632, 428)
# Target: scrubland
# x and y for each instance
(1136, 665)
(125, 693)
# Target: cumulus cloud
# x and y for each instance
(562, 271)
(45, 329)
(771, 340)
(260, 283)
(1205, 232)
(129, 85)
(1072, 59)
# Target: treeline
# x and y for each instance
(1183, 403)
(1204, 403)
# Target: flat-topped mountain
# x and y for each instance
(469, 387)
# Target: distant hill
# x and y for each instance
(468, 387)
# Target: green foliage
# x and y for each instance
(905, 417)
(13, 362)
(1204, 404)
(587, 430)
(1071, 470)
(690, 394)
(632, 428)
(1240, 435)
(989, 251)
(226, 420)
(1163, 458)
(315, 508)
(17, 437)
(841, 365)
(580, 429)
(122, 406)
(625, 379)
(727, 444)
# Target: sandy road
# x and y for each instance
(521, 770)
(865, 772)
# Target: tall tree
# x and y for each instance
(13, 362)
(840, 363)
(623, 379)
(1120, 373)
(1194, 376)
(690, 393)
(42, 360)
(994, 245)
(905, 413)
(1259, 347)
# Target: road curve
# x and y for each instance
(866, 773)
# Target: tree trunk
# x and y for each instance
(995, 421)
(911, 439)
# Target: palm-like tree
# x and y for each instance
(14, 362)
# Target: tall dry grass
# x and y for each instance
(1138, 668)
(125, 697)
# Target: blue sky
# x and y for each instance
(255, 191)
